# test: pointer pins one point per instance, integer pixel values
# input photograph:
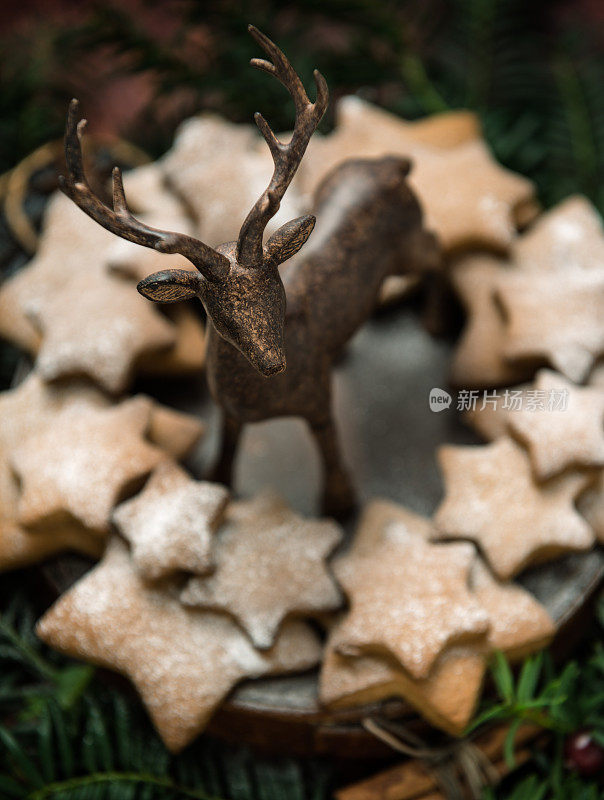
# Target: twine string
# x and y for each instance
(460, 769)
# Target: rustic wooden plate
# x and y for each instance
(390, 438)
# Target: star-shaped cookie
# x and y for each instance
(151, 200)
(566, 238)
(448, 696)
(479, 358)
(68, 239)
(34, 406)
(474, 206)
(97, 326)
(170, 524)
(493, 411)
(565, 429)
(561, 424)
(220, 169)
(558, 319)
(492, 498)
(409, 597)
(270, 564)
(79, 467)
(19, 547)
(182, 661)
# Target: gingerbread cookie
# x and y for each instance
(519, 625)
(559, 320)
(566, 238)
(67, 241)
(182, 661)
(270, 565)
(156, 205)
(148, 192)
(187, 355)
(561, 424)
(479, 208)
(492, 498)
(409, 598)
(80, 467)
(19, 547)
(34, 406)
(170, 524)
(97, 326)
(479, 358)
(446, 698)
(220, 170)
(492, 413)
(173, 431)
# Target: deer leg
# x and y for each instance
(223, 469)
(339, 497)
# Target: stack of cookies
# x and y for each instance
(195, 594)
(74, 307)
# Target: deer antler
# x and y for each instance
(120, 221)
(286, 157)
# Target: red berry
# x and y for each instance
(583, 754)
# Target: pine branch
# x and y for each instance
(74, 785)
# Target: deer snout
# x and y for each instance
(272, 363)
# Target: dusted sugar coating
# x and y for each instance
(448, 696)
(477, 204)
(560, 423)
(491, 419)
(182, 661)
(409, 598)
(97, 326)
(19, 547)
(567, 237)
(558, 320)
(270, 564)
(79, 467)
(520, 625)
(70, 243)
(492, 498)
(157, 203)
(220, 169)
(479, 357)
(170, 524)
(559, 438)
(34, 406)
(73, 245)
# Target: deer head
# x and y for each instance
(237, 282)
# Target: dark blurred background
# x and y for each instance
(533, 70)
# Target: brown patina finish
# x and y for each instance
(370, 226)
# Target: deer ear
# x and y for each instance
(285, 242)
(170, 286)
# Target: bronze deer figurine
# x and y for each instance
(370, 226)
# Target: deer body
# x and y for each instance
(370, 227)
